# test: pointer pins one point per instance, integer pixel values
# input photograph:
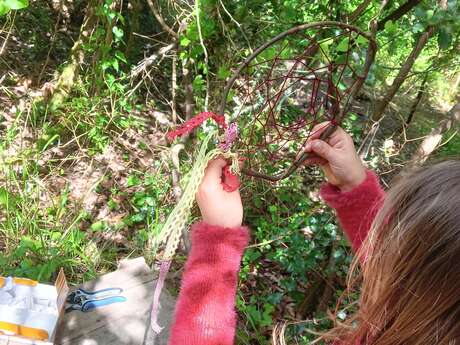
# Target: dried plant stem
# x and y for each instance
(206, 58)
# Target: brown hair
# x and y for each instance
(410, 267)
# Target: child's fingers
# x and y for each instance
(318, 130)
(315, 161)
(230, 182)
(214, 170)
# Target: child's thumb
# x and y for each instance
(323, 149)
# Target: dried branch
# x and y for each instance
(160, 20)
(398, 13)
(237, 24)
(188, 88)
(2, 49)
(402, 74)
(433, 140)
(53, 40)
(147, 62)
(359, 10)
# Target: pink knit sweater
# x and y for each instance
(205, 310)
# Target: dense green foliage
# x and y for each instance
(88, 90)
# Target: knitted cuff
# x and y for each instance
(337, 199)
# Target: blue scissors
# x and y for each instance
(88, 300)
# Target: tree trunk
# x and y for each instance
(69, 74)
(135, 8)
(398, 13)
(432, 141)
(402, 74)
(419, 97)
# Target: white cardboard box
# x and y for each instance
(48, 321)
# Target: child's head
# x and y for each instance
(411, 269)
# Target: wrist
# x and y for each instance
(353, 182)
(229, 223)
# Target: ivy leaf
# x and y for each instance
(419, 12)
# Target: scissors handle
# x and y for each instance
(93, 304)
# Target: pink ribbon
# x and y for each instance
(164, 269)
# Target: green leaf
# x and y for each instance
(419, 12)
(343, 45)
(429, 14)
(418, 27)
(115, 65)
(390, 26)
(6, 200)
(184, 41)
(198, 83)
(117, 32)
(98, 226)
(4, 9)
(137, 218)
(223, 73)
(120, 56)
(444, 39)
(362, 40)
(133, 180)
(16, 4)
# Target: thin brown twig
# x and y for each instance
(160, 20)
(237, 24)
(8, 34)
(53, 40)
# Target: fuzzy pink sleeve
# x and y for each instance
(205, 310)
(356, 209)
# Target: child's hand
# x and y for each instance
(217, 206)
(339, 160)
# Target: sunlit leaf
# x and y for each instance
(16, 4)
(117, 32)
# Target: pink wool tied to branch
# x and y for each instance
(231, 134)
